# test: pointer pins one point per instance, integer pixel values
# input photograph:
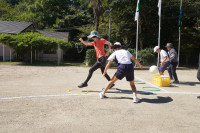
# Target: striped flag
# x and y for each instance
(137, 10)
(180, 17)
(159, 7)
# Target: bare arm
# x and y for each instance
(107, 66)
(85, 43)
(109, 47)
(136, 61)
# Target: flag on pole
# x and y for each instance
(180, 17)
(159, 7)
(137, 10)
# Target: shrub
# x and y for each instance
(90, 57)
(145, 56)
(22, 43)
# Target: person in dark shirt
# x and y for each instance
(173, 58)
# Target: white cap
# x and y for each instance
(156, 48)
(117, 43)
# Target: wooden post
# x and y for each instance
(10, 54)
(31, 55)
(59, 55)
(3, 53)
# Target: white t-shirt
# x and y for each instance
(163, 54)
(122, 56)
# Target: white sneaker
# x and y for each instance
(102, 96)
(136, 99)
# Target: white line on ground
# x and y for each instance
(38, 96)
(187, 93)
(43, 96)
(152, 84)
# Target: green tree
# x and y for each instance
(7, 11)
(97, 6)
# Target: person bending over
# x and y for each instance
(164, 60)
(125, 69)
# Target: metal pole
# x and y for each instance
(109, 28)
(137, 38)
(159, 31)
(3, 53)
(179, 45)
(179, 40)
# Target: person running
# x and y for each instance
(125, 69)
(173, 58)
(164, 60)
(98, 43)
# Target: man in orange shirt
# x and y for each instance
(98, 44)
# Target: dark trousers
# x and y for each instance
(172, 70)
(99, 64)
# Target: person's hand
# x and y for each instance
(140, 66)
(161, 64)
(107, 54)
(81, 39)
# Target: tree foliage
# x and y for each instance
(80, 17)
(24, 43)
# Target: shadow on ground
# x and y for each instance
(189, 83)
(158, 100)
(139, 92)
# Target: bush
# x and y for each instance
(145, 56)
(23, 43)
(90, 57)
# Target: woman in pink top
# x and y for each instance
(98, 44)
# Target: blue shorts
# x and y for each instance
(164, 67)
(125, 70)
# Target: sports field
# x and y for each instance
(36, 99)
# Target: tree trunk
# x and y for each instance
(97, 23)
(97, 9)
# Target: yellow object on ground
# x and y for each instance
(161, 80)
(82, 91)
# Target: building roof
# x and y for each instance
(12, 27)
(54, 34)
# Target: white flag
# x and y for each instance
(137, 10)
(159, 8)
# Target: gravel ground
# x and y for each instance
(35, 99)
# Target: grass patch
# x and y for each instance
(11, 63)
(45, 63)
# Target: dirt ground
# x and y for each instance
(35, 99)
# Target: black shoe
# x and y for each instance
(175, 82)
(112, 86)
(83, 85)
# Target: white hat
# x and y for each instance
(156, 48)
(117, 43)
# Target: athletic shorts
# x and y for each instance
(164, 67)
(125, 70)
